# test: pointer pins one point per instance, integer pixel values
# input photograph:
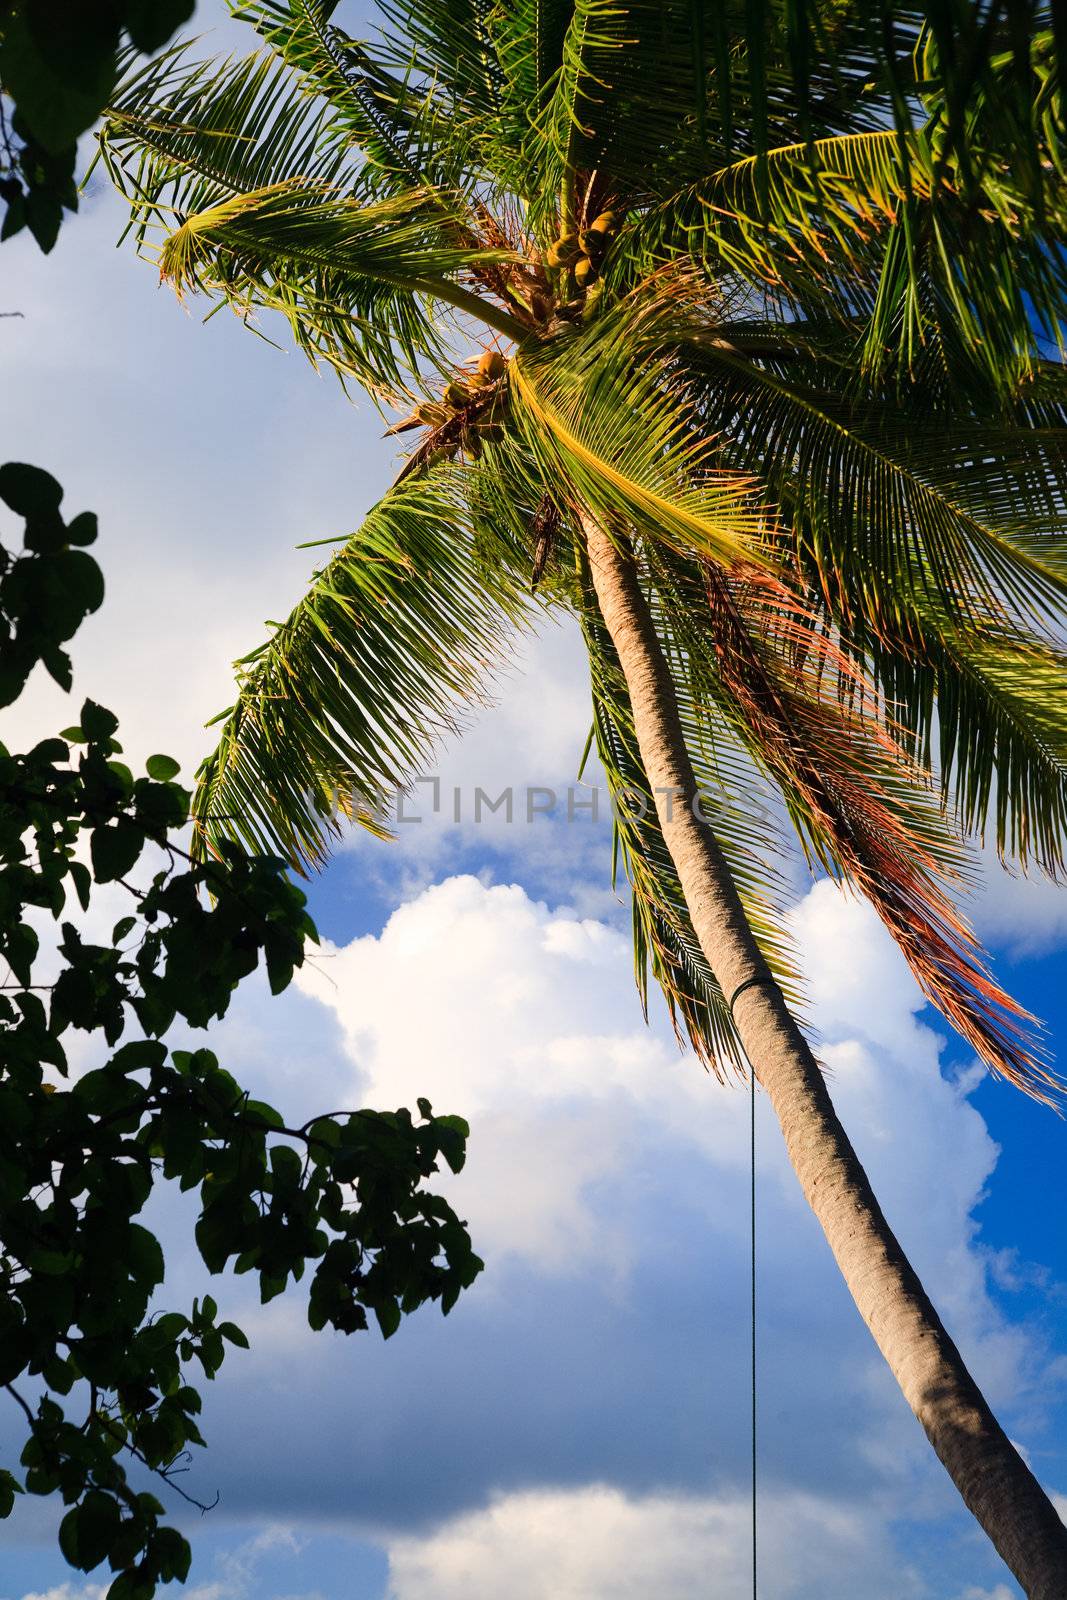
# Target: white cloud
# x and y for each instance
(238, 1572)
(606, 1188)
(586, 1543)
(207, 456)
(1027, 913)
(69, 1591)
(491, 1005)
(525, 1020)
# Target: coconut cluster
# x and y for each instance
(457, 397)
(583, 252)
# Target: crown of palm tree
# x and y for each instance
(771, 292)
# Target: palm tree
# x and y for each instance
(729, 330)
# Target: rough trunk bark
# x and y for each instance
(994, 1481)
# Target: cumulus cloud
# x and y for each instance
(602, 1158)
(525, 1019)
(606, 1345)
(1026, 913)
(595, 1541)
(490, 1004)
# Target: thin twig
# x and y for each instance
(13, 1392)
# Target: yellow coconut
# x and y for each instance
(491, 365)
(565, 250)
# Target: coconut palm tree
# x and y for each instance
(731, 331)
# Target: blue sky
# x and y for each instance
(577, 1426)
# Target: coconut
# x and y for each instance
(584, 272)
(565, 251)
(491, 364)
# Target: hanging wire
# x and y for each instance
(752, 1221)
(756, 978)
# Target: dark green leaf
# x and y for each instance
(29, 491)
(162, 768)
(115, 849)
(152, 22)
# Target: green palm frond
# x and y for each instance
(182, 135)
(889, 509)
(396, 634)
(592, 35)
(353, 280)
(238, 182)
(881, 222)
(990, 308)
(985, 713)
(791, 215)
(529, 39)
(404, 136)
(602, 410)
(655, 94)
(403, 243)
(451, 42)
(1002, 718)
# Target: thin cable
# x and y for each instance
(752, 1153)
(749, 983)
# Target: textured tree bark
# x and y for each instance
(988, 1471)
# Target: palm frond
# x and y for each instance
(984, 711)
(891, 510)
(452, 43)
(240, 169)
(182, 135)
(404, 243)
(881, 222)
(768, 216)
(353, 281)
(405, 136)
(600, 409)
(397, 632)
(863, 811)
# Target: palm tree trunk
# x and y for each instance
(994, 1481)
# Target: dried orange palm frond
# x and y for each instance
(862, 808)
